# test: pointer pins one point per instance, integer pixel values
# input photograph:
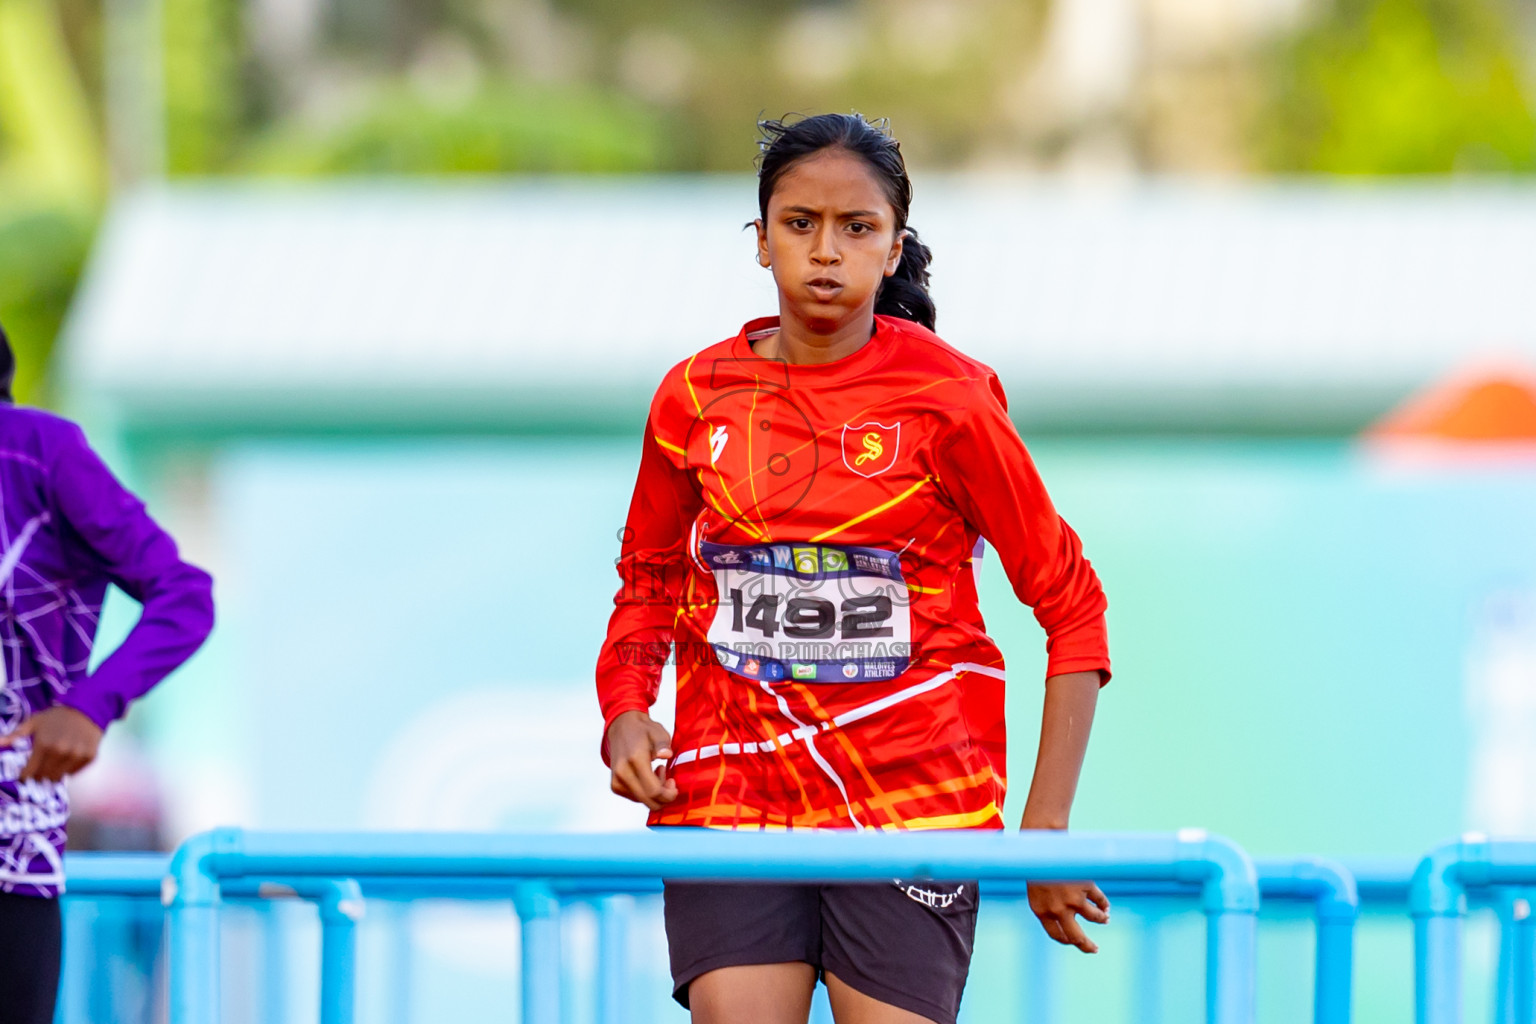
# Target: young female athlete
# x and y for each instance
(811, 501)
(67, 529)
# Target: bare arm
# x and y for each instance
(1070, 699)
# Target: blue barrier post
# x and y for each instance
(341, 907)
(821, 1006)
(1437, 902)
(1522, 951)
(274, 966)
(613, 914)
(539, 911)
(1504, 906)
(1231, 914)
(1150, 962)
(1039, 999)
(1231, 949)
(1332, 890)
(78, 974)
(192, 898)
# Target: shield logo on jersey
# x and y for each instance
(869, 449)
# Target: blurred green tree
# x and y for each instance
(48, 136)
(52, 174)
(1401, 87)
(501, 128)
(42, 249)
(202, 46)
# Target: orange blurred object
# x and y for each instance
(1485, 405)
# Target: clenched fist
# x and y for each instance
(635, 743)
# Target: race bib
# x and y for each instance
(810, 612)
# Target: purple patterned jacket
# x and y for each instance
(68, 528)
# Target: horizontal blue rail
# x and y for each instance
(538, 873)
(1220, 875)
(1312, 881)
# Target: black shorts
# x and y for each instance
(908, 945)
(30, 941)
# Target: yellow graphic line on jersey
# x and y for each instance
(986, 776)
(739, 519)
(925, 545)
(751, 477)
(856, 520)
(698, 409)
(867, 410)
(969, 819)
(669, 446)
(924, 590)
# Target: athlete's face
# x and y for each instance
(830, 237)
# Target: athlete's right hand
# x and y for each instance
(636, 741)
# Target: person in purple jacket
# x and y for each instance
(68, 528)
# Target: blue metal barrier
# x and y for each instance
(339, 901)
(1515, 984)
(1387, 884)
(1330, 888)
(1437, 901)
(540, 873)
(207, 865)
(1321, 883)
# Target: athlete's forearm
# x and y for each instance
(1070, 700)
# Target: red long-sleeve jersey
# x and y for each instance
(804, 537)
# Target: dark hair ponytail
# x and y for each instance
(905, 293)
(785, 142)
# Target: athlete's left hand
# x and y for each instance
(63, 742)
(1058, 904)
